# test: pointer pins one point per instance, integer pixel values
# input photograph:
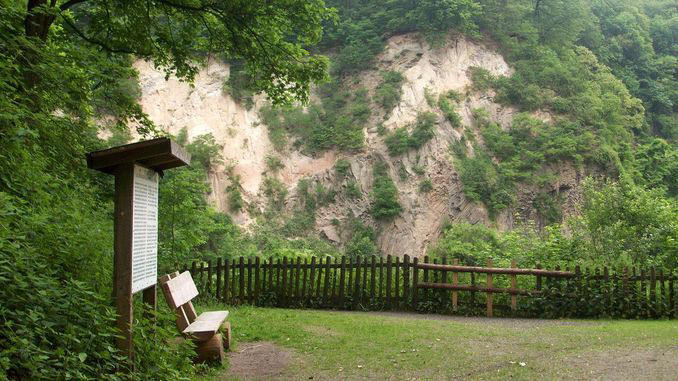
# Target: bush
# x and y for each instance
(399, 141)
(342, 167)
(425, 186)
(384, 194)
(389, 91)
(235, 201)
(274, 164)
(481, 79)
(275, 191)
(352, 190)
(362, 242)
(240, 85)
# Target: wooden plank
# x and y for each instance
(389, 274)
(426, 295)
(278, 281)
(283, 272)
(234, 278)
(514, 286)
(342, 276)
(497, 270)
(180, 290)
(538, 284)
(297, 276)
(334, 298)
(672, 301)
(415, 283)
(257, 280)
(396, 286)
(219, 268)
(305, 291)
(311, 279)
(363, 289)
(443, 279)
(226, 295)
(489, 295)
(209, 277)
(201, 277)
(381, 279)
(463, 287)
(326, 283)
(271, 271)
(249, 294)
(662, 292)
(318, 288)
(653, 290)
(150, 300)
(349, 269)
(206, 325)
(608, 290)
(356, 291)
(241, 276)
(406, 280)
(373, 278)
(455, 281)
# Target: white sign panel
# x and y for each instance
(144, 229)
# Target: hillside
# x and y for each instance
(428, 72)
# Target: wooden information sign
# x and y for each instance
(136, 168)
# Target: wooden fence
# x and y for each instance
(392, 283)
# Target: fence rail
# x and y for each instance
(407, 284)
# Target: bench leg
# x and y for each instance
(211, 350)
(226, 333)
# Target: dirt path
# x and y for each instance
(258, 360)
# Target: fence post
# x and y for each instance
(381, 279)
(672, 301)
(608, 291)
(296, 280)
(318, 289)
(415, 283)
(662, 292)
(363, 289)
(373, 279)
(538, 284)
(342, 275)
(488, 294)
(328, 262)
(388, 280)
(219, 279)
(356, 291)
(248, 294)
(283, 275)
(455, 281)
(514, 284)
(242, 280)
(209, 277)
(311, 280)
(233, 282)
(257, 280)
(426, 292)
(653, 290)
(406, 280)
(396, 286)
(226, 269)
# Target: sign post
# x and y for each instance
(137, 168)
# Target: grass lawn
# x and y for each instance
(319, 345)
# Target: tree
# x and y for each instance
(177, 35)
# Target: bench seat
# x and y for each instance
(206, 325)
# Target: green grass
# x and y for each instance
(340, 345)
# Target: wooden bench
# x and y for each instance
(179, 290)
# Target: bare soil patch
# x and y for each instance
(628, 364)
(258, 360)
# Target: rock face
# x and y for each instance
(205, 108)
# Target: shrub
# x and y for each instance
(275, 191)
(397, 142)
(240, 85)
(389, 91)
(235, 201)
(352, 190)
(361, 243)
(274, 164)
(341, 167)
(450, 113)
(481, 79)
(425, 186)
(384, 193)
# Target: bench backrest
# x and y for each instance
(179, 290)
